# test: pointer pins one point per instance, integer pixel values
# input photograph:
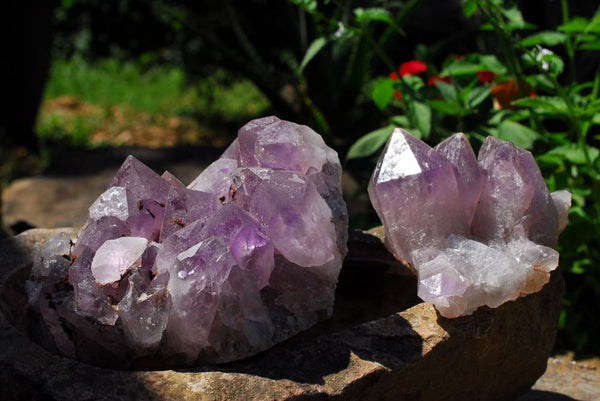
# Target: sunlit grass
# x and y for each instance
(155, 95)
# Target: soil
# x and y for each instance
(122, 125)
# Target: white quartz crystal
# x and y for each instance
(115, 257)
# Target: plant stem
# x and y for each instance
(569, 47)
(490, 12)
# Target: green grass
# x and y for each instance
(159, 89)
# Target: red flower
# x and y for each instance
(486, 76)
(433, 80)
(412, 67)
(393, 75)
(398, 95)
(533, 94)
(459, 57)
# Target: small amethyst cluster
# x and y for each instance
(478, 231)
(244, 257)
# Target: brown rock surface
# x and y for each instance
(367, 351)
(51, 201)
(566, 381)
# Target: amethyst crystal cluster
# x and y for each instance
(478, 231)
(244, 257)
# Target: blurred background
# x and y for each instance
(86, 82)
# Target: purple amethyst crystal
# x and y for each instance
(245, 257)
(477, 231)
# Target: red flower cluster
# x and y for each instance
(486, 76)
(412, 67)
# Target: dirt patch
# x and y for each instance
(70, 116)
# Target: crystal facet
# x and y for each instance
(244, 257)
(477, 231)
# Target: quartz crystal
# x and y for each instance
(244, 257)
(477, 230)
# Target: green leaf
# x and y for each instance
(400, 121)
(366, 15)
(577, 24)
(420, 115)
(478, 95)
(448, 91)
(461, 67)
(545, 38)
(313, 49)
(547, 104)
(541, 81)
(571, 152)
(514, 18)
(310, 6)
(581, 266)
(450, 108)
(591, 45)
(594, 26)
(498, 116)
(383, 92)
(469, 8)
(413, 82)
(370, 143)
(490, 62)
(554, 64)
(518, 134)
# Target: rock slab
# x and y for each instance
(494, 354)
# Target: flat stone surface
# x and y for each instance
(566, 381)
(51, 201)
(369, 350)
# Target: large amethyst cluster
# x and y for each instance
(244, 257)
(478, 231)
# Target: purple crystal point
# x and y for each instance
(245, 257)
(516, 197)
(470, 176)
(141, 180)
(216, 178)
(281, 145)
(493, 252)
(415, 189)
(172, 180)
(185, 206)
(96, 232)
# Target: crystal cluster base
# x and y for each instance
(244, 257)
(478, 231)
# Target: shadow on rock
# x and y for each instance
(537, 395)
